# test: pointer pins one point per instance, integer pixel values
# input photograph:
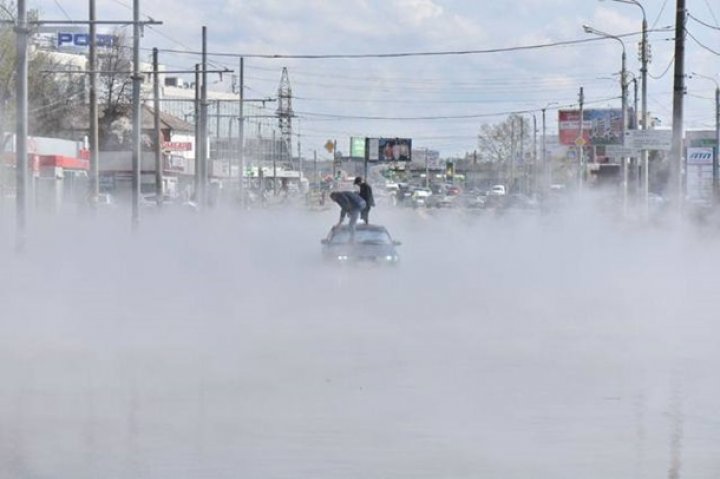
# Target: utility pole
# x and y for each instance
(623, 100)
(581, 139)
(521, 156)
(241, 133)
(334, 157)
(637, 167)
(716, 156)
(676, 154)
(534, 162)
(546, 166)
(315, 172)
(21, 156)
(427, 170)
(158, 134)
(198, 141)
(644, 74)
(136, 117)
(93, 183)
(274, 163)
(513, 152)
(203, 124)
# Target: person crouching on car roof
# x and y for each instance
(351, 205)
(366, 194)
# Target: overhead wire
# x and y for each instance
(702, 45)
(317, 116)
(690, 15)
(413, 54)
(712, 13)
(64, 12)
(667, 69)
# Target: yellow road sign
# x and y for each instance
(330, 146)
(580, 141)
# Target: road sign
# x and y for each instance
(617, 151)
(330, 146)
(580, 141)
(700, 156)
(649, 139)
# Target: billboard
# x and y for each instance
(357, 147)
(393, 149)
(600, 126)
(699, 175)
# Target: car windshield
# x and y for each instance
(364, 236)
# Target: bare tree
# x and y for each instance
(115, 93)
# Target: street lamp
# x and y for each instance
(644, 51)
(546, 166)
(623, 90)
(716, 159)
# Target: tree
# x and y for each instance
(498, 142)
(51, 98)
(504, 144)
(115, 94)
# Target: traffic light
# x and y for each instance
(449, 170)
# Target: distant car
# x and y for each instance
(497, 190)
(420, 196)
(440, 201)
(372, 244)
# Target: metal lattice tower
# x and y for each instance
(285, 114)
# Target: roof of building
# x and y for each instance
(80, 120)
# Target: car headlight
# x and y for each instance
(391, 258)
(342, 257)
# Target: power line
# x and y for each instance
(703, 23)
(62, 9)
(316, 116)
(712, 12)
(667, 69)
(662, 9)
(411, 54)
(702, 45)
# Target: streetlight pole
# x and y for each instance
(623, 90)
(21, 157)
(547, 170)
(644, 50)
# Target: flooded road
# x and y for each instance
(221, 346)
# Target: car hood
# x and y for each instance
(361, 249)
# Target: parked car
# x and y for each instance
(372, 244)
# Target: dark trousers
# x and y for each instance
(365, 215)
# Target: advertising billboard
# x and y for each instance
(357, 147)
(699, 175)
(393, 149)
(600, 126)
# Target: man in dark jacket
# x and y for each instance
(366, 194)
(351, 205)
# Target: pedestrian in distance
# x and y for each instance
(367, 194)
(351, 205)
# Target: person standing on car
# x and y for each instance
(351, 205)
(366, 194)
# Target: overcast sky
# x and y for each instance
(434, 86)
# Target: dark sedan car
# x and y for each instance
(372, 244)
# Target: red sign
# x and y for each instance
(569, 127)
(177, 145)
(600, 127)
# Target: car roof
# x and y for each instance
(361, 228)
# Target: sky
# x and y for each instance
(340, 98)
